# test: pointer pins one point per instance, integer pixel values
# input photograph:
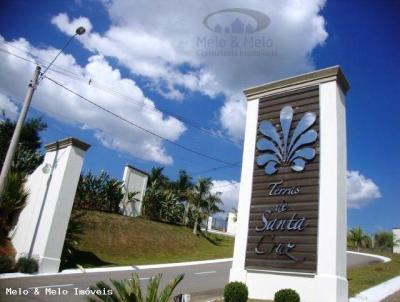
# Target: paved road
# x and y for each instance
(393, 298)
(201, 281)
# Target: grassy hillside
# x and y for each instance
(111, 239)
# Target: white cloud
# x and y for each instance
(7, 107)
(230, 192)
(233, 116)
(62, 105)
(360, 190)
(166, 48)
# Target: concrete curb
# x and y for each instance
(116, 268)
(382, 258)
(379, 292)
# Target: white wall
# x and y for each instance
(396, 236)
(231, 225)
(209, 223)
(134, 181)
(42, 224)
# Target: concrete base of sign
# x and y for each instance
(329, 282)
(264, 285)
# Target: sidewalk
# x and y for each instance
(381, 292)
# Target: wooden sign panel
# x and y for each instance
(283, 221)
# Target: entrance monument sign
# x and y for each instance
(291, 230)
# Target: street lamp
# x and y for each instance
(31, 89)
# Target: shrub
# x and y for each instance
(287, 295)
(13, 200)
(99, 192)
(72, 238)
(27, 265)
(7, 264)
(384, 240)
(130, 290)
(236, 292)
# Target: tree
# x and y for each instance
(384, 240)
(27, 157)
(13, 200)
(198, 200)
(101, 192)
(157, 175)
(212, 203)
(183, 186)
(171, 210)
(130, 197)
(151, 201)
(358, 237)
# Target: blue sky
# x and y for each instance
(152, 66)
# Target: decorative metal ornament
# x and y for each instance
(286, 149)
(46, 168)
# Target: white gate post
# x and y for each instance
(42, 224)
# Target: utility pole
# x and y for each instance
(15, 138)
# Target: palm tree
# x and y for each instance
(151, 201)
(212, 203)
(129, 197)
(183, 186)
(130, 291)
(170, 208)
(156, 175)
(198, 199)
(13, 200)
(357, 236)
(385, 240)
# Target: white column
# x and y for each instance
(396, 237)
(134, 181)
(238, 272)
(209, 223)
(42, 224)
(231, 226)
(332, 221)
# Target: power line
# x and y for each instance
(140, 127)
(214, 169)
(94, 144)
(98, 85)
(230, 165)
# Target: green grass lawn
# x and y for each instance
(111, 239)
(364, 277)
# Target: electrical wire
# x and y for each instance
(140, 127)
(94, 144)
(98, 85)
